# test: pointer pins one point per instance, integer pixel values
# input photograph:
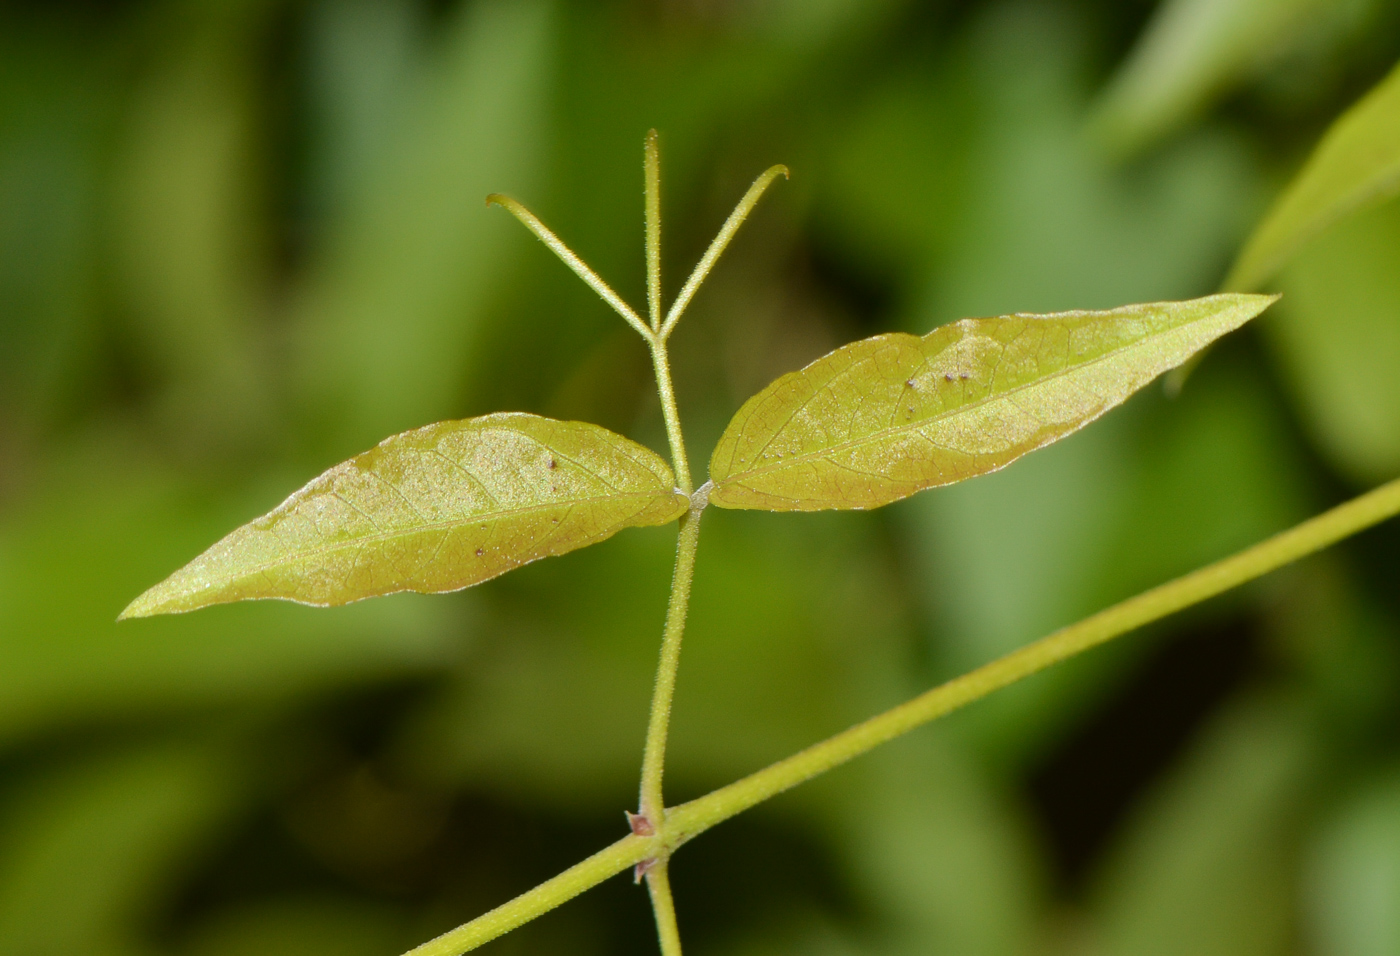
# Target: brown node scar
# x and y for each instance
(641, 826)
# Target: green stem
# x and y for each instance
(629, 851)
(717, 246)
(653, 806)
(690, 819)
(651, 165)
(571, 259)
(659, 885)
(661, 362)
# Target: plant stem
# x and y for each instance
(685, 821)
(653, 806)
(717, 246)
(651, 165)
(661, 362)
(690, 819)
(571, 259)
(629, 851)
(659, 885)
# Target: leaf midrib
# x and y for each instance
(896, 430)
(382, 536)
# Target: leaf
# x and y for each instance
(436, 509)
(1357, 164)
(1192, 52)
(1336, 336)
(94, 846)
(877, 420)
(1204, 864)
(1352, 877)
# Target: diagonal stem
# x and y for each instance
(691, 819)
(1312, 535)
(629, 851)
(717, 247)
(571, 260)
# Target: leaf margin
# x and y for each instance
(184, 590)
(725, 491)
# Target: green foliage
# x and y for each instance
(1338, 339)
(1357, 164)
(436, 509)
(243, 241)
(899, 414)
(1354, 871)
(1193, 51)
(881, 419)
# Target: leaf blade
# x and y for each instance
(436, 509)
(1357, 164)
(878, 420)
(1192, 53)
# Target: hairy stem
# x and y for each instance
(659, 886)
(712, 254)
(653, 806)
(661, 362)
(651, 165)
(571, 259)
(690, 819)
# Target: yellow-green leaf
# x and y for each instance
(436, 509)
(1357, 164)
(880, 419)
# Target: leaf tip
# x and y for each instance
(146, 605)
(174, 595)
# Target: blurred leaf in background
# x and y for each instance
(1353, 880)
(1194, 52)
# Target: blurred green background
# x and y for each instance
(242, 240)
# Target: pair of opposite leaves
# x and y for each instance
(453, 504)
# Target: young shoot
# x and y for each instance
(456, 503)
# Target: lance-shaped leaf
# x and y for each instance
(1356, 165)
(435, 509)
(880, 419)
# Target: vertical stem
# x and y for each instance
(653, 806)
(659, 885)
(662, 363)
(652, 166)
